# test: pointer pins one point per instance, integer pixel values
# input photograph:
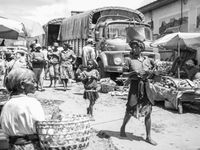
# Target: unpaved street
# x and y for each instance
(170, 130)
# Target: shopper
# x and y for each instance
(20, 114)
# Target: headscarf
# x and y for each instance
(15, 78)
(137, 47)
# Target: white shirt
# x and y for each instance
(19, 115)
(88, 53)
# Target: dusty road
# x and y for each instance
(170, 129)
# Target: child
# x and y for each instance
(89, 79)
(21, 112)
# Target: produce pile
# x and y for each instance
(176, 84)
(163, 67)
(107, 85)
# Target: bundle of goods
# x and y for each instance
(163, 67)
(176, 84)
(107, 85)
(69, 132)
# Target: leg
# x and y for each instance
(91, 107)
(51, 79)
(148, 129)
(55, 81)
(64, 84)
(66, 81)
(125, 121)
(41, 78)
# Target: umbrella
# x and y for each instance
(181, 39)
(178, 41)
(31, 28)
(10, 29)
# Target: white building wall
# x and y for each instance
(174, 9)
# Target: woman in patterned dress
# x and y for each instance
(67, 59)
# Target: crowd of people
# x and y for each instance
(58, 62)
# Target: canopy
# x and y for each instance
(79, 26)
(31, 28)
(181, 39)
(10, 29)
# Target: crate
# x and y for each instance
(72, 133)
(105, 88)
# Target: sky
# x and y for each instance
(43, 11)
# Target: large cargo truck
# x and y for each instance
(107, 26)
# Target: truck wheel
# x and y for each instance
(101, 70)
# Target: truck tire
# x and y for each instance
(101, 69)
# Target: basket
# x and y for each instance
(105, 88)
(73, 133)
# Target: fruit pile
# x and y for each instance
(163, 67)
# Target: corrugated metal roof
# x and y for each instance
(154, 4)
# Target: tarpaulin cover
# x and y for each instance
(157, 92)
(79, 26)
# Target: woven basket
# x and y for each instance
(73, 133)
(105, 88)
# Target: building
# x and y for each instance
(168, 16)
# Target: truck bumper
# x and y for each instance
(116, 69)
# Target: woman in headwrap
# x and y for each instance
(138, 104)
(21, 112)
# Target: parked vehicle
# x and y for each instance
(107, 26)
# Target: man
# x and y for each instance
(88, 52)
(138, 103)
(38, 62)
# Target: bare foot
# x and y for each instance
(150, 141)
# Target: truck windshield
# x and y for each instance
(119, 31)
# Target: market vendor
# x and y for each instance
(191, 69)
(21, 112)
(138, 103)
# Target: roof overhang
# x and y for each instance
(154, 5)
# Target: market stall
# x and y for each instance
(175, 91)
(174, 87)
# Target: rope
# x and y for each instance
(106, 122)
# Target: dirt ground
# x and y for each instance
(169, 129)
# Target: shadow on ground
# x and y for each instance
(107, 134)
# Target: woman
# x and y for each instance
(138, 103)
(67, 59)
(190, 68)
(54, 59)
(21, 112)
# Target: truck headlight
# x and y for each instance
(117, 61)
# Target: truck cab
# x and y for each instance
(112, 47)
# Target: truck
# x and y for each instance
(107, 27)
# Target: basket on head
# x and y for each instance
(72, 133)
